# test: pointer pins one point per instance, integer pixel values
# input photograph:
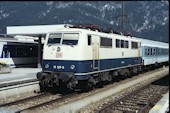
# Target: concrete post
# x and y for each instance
(39, 51)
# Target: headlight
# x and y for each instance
(72, 67)
(46, 66)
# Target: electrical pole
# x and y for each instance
(122, 18)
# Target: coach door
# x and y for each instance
(95, 52)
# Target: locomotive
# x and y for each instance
(82, 57)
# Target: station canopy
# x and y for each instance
(34, 30)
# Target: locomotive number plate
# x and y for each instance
(59, 55)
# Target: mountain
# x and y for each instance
(144, 19)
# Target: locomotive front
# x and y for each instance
(60, 59)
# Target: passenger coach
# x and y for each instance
(18, 53)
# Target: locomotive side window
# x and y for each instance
(89, 39)
(122, 44)
(134, 45)
(54, 38)
(126, 44)
(106, 42)
(117, 43)
(70, 38)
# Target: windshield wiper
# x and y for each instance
(49, 45)
(71, 44)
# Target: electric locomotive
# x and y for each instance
(82, 57)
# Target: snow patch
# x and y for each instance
(50, 3)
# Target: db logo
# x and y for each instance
(59, 55)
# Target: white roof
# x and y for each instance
(152, 43)
(34, 30)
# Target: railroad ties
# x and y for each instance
(139, 101)
(40, 98)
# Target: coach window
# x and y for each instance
(117, 43)
(160, 53)
(6, 53)
(19, 51)
(157, 51)
(151, 51)
(126, 44)
(154, 51)
(146, 51)
(167, 51)
(89, 39)
(122, 44)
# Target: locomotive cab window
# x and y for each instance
(70, 38)
(54, 38)
(63, 38)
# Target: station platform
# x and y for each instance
(162, 106)
(19, 74)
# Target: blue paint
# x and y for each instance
(85, 66)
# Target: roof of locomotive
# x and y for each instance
(88, 31)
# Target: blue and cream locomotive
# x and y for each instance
(82, 57)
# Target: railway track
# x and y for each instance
(24, 100)
(139, 101)
(46, 103)
(34, 102)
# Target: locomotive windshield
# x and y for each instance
(54, 38)
(63, 38)
(70, 38)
